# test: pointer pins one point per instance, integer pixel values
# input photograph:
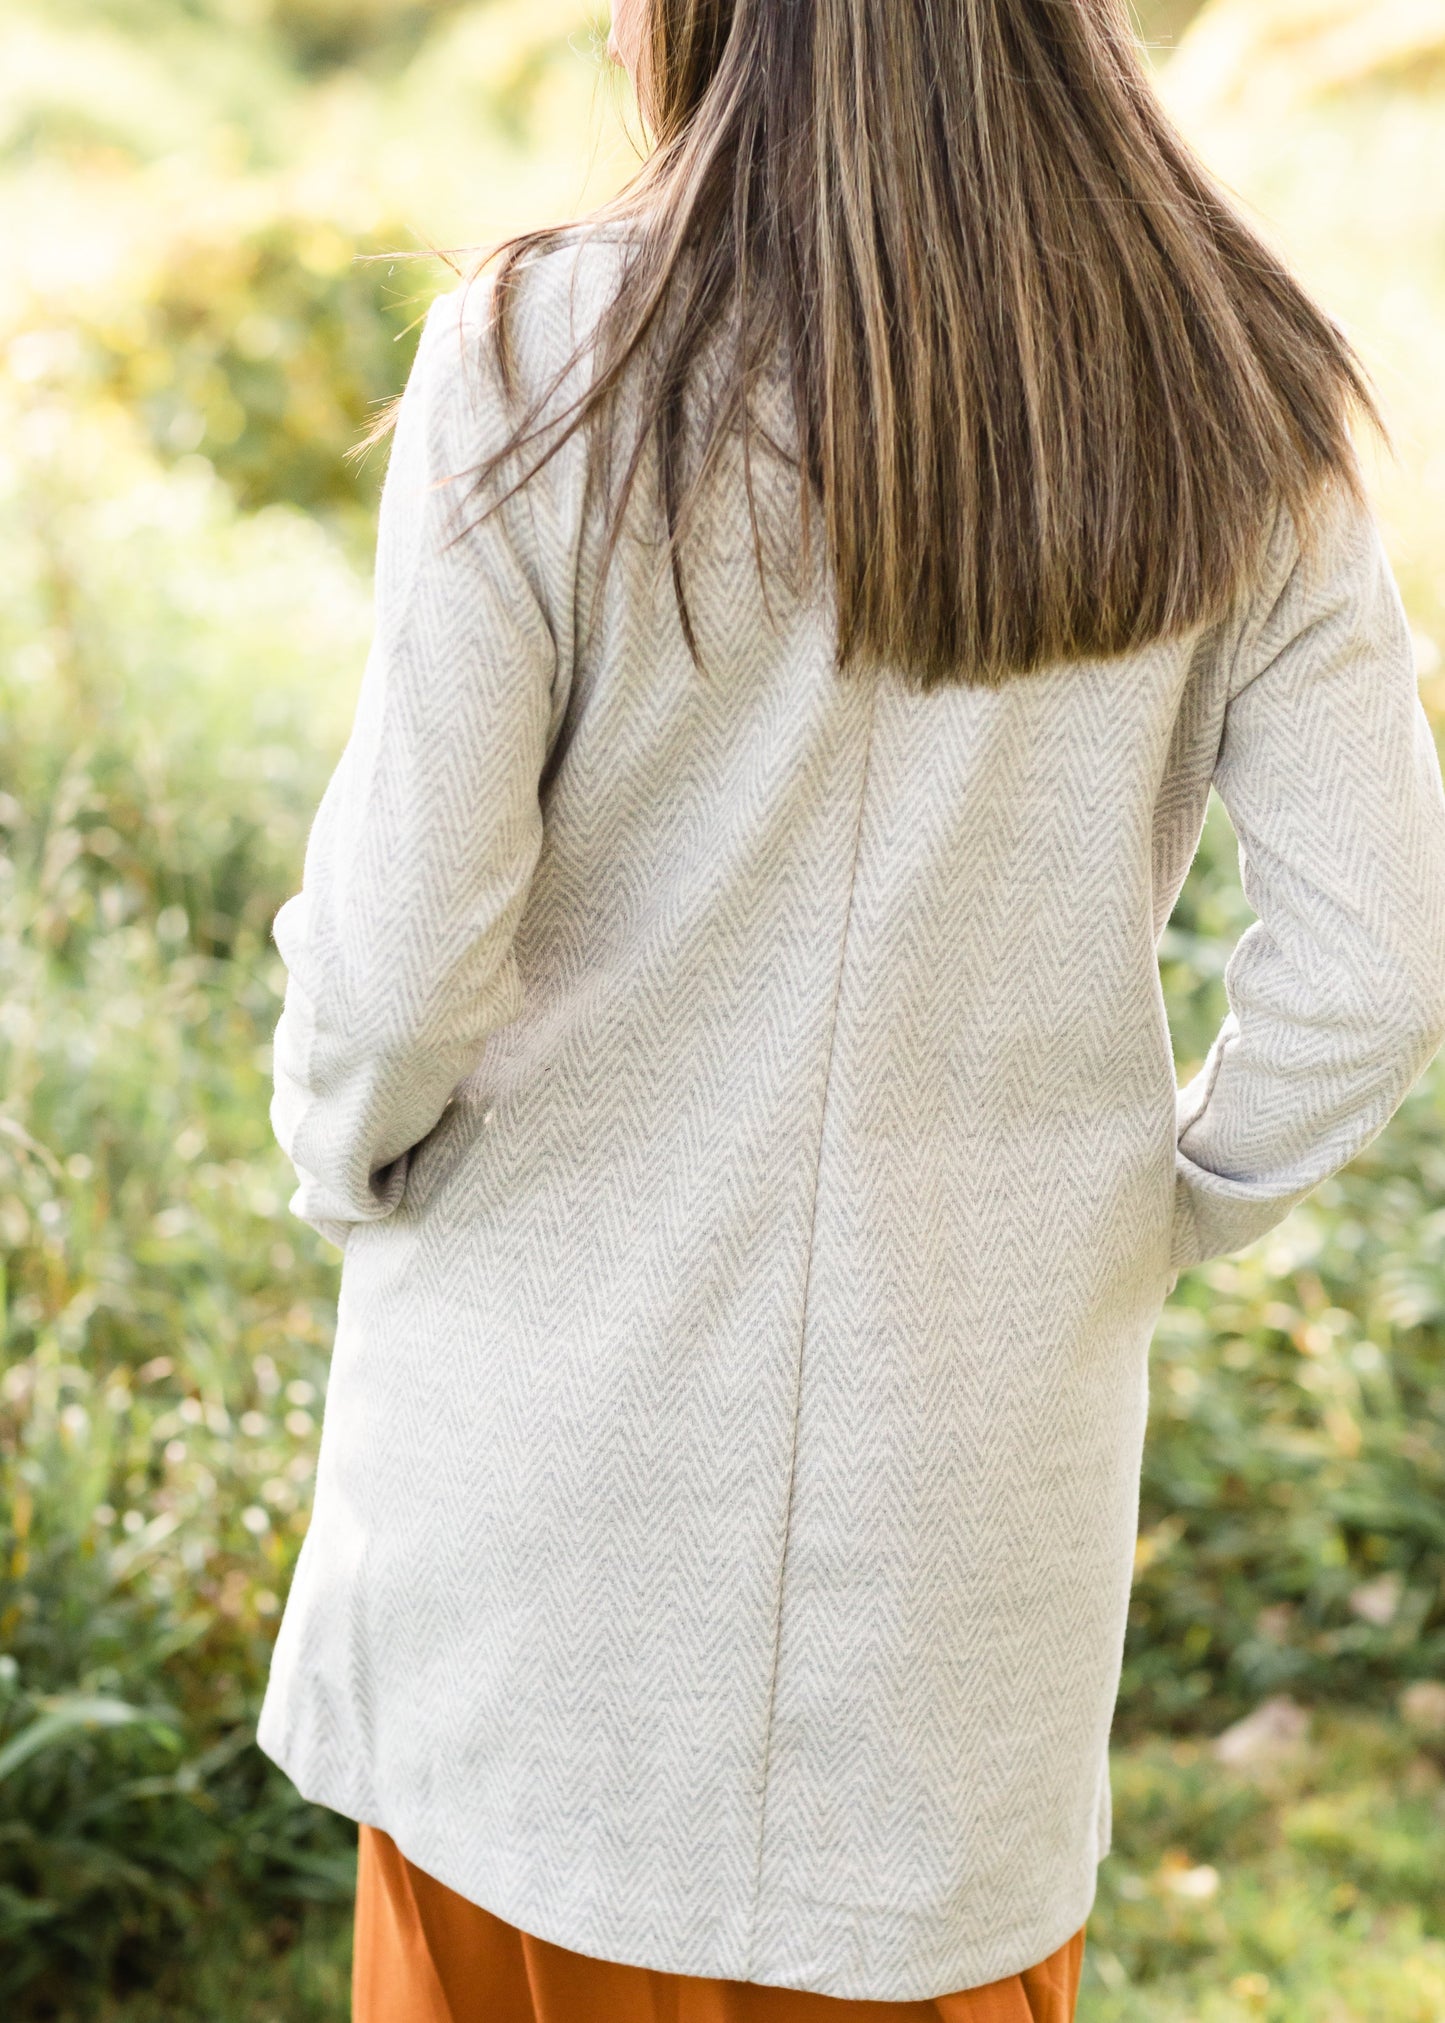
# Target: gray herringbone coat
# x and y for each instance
(746, 1103)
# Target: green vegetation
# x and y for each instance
(1310, 1889)
(189, 345)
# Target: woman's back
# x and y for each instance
(745, 1098)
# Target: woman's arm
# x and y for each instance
(1337, 991)
(398, 946)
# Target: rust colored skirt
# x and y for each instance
(426, 1955)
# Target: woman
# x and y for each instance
(724, 1032)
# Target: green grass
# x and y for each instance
(1314, 1893)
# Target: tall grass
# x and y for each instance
(173, 670)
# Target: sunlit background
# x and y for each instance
(194, 326)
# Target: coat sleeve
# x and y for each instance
(398, 947)
(1336, 990)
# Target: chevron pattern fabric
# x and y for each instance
(745, 1101)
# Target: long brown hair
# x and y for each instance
(1050, 391)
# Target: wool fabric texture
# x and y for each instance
(745, 1101)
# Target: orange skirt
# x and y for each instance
(426, 1955)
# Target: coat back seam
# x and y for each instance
(803, 1330)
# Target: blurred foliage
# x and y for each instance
(1261, 57)
(190, 344)
(1293, 1506)
(1307, 1888)
(166, 1339)
(321, 34)
(268, 351)
(1162, 22)
(310, 36)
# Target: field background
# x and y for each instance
(189, 339)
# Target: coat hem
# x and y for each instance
(959, 1966)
